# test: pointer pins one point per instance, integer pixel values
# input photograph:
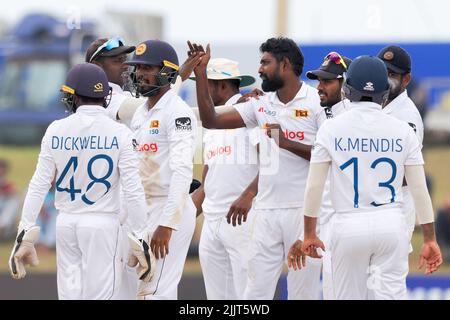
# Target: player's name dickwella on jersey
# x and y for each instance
(85, 143)
(368, 144)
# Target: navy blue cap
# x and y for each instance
(87, 80)
(368, 74)
(155, 53)
(396, 59)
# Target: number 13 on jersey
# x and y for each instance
(387, 184)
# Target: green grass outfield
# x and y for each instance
(23, 162)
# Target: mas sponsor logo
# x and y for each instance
(183, 124)
(267, 112)
(300, 113)
(135, 145)
(412, 125)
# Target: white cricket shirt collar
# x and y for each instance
(398, 100)
(302, 93)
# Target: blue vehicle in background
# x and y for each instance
(35, 56)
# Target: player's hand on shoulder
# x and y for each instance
(430, 257)
(255, 93)
(310, 246)
(23, 252)
(296, 259)
(160, 241)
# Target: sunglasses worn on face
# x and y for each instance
(336, 58)
(108, 45)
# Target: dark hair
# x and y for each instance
(282, 48)
(234, 83)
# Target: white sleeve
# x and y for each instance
(132, 188)
(320, 150)
(415, 177)
(247, 112)
(317, 176)
(254, 135)
(414, 153)
(181, 135)
(40, 183)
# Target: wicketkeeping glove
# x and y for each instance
(24, 252)
(142, 258)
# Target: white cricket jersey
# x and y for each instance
(403, 108)
(326, 209)
(368, 150)
(282, 175)
(88, 155)
(232, 162)
(166, 142)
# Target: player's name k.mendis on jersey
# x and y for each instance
(85, 143)
(368, 144)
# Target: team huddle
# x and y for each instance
(329, 181)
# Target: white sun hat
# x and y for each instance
(226, 69)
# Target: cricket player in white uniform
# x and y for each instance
(231, 164)
(400, 106)
(110, 55)
(331, 78)
(88, 155)
(369, 153)
(165, 129)
(288, 112)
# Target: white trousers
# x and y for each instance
(327, 283)
(223, 253)
(369, 255)
(128, 287)
(274, 232)
(88, 261)
(409, 213)
(164, 284)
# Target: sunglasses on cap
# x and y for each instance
(336, 58)
(108, 45)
